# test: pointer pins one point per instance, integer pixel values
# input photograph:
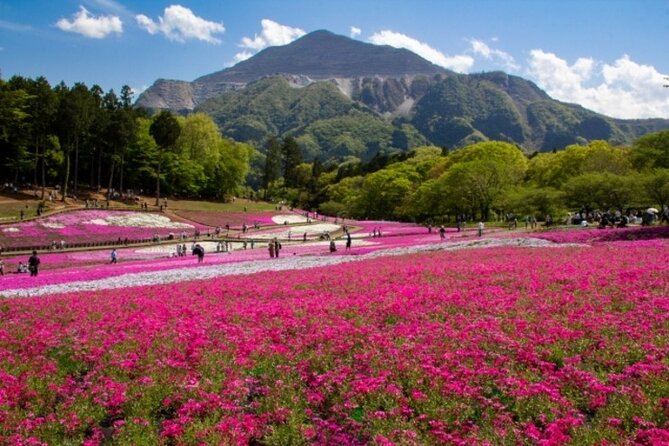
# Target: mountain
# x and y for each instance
(320, 55)
(338, 96)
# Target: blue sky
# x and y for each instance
(607, 55)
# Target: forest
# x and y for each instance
(81, 138)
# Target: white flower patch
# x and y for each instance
(11, 229)
(138, 220)
(296, 233)
(290, 218)
(167, 250)
(53, 225)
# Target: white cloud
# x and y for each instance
(355, 32)
(90, 26)
(461, 63)
(272, 34)
(505, 59)
(243, 55)
(624, 89)
(180, 24)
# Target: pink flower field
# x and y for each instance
(90, 226)
(497, 346)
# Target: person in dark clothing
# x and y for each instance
(199, 252)
(33, 264)
(277, 247)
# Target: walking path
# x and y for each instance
(254, 266)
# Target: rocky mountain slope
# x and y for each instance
(340, 96)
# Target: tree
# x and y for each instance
(478, 174)
(600, 190)
(42, 108)
(537, 201)
(554, 169)
(120, 132)
(292, 158)
(385, 193)
(656, 187)
(165, 130)
(651, 151)
(13, 117)
(75, 113)
(272, 170)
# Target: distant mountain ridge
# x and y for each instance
(405, 98)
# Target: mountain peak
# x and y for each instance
(325, 55)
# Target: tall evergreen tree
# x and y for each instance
(165, 131)
(272, 162)
(292, 157)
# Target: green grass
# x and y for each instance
(237, 206)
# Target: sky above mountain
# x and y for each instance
(609, 56)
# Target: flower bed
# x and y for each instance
(91, 226)
(593, 235)
(234, 219)
(515, 346)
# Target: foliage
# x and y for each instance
(434, 348)
(651, 151)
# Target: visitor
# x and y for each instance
(199, 252)
(480, 228)
(442, 232)
(333, 247)
(277, 247)
(33, 264)
(22, 268)
(2, 268)
(348, 241)
(270, 247)
(113, 256)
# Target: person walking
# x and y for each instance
(442, 232)
(480, 228)
(114, 256)
(33, 264)
(270, 247)
(348, 241)
(277, 247)
(2, 268)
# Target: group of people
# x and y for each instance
(274, 247)
(32, 266)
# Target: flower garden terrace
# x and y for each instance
(503, 345)
(92, 228)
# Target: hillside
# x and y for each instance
(322, 82)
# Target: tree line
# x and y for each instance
(81, 138)
(484, 181)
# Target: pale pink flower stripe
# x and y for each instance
(495, 346)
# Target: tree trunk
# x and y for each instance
(99, 169)
(36, 162)
(111, 178)
(120, 175)
(43, 178)
(67, 176)
(158, 183)
(76, 165)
